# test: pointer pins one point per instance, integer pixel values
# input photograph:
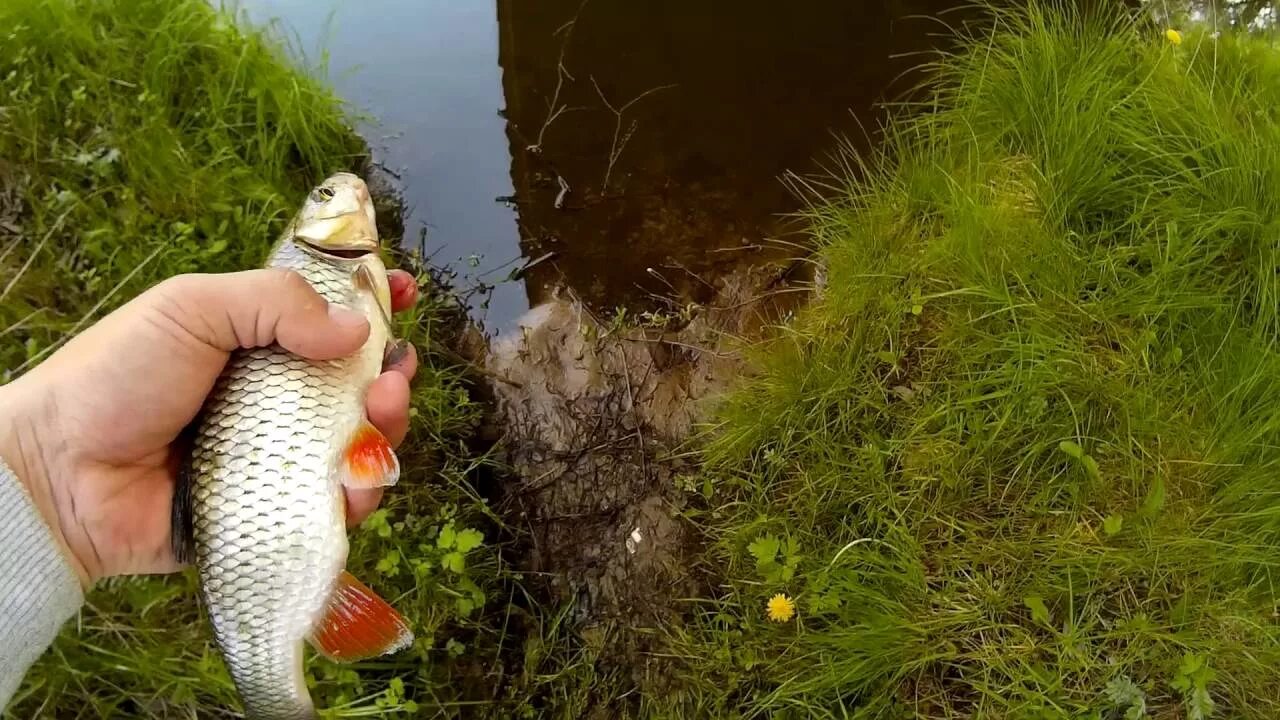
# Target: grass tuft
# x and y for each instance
(1020, 459)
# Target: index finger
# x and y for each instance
(404, 290)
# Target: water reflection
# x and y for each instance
(648, 139)
(427, 71)
(643, 142)
(1244, 14)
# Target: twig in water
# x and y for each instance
(564, 191)
(662, 279)
(616, 148)
(690, 273)
(554, 108)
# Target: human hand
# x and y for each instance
(91, 431)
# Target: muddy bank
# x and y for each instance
(596, 416)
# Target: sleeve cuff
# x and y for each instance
(38, 589)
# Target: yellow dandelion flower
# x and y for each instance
(1174, 36)
(780, 608)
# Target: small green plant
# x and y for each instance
(776, 559)
(1125, 695)
(1192, 681)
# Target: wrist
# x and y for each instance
(30, 449)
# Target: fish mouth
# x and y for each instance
(340, 253)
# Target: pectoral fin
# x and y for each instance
(368, 461)
(358, 625)
(182, 522)
(364, 279)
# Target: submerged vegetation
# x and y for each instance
(1020, 458)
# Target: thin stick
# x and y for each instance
(616, 148)
(13, 245)
(554, 109)
(32, 257)
(631, 405)
(21, 322)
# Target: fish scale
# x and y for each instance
(267, 507)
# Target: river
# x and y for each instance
(632, 150)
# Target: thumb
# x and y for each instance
(258, 307)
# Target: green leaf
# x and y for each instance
(1199, 704)
(1154, 502)
(1039, 611)
(764, 549)
(887, 357)
(390, 563)
(468, 540)
(454, 561)
(1072, 449)
(464, 605)
(447, 537)
(455, 648)
(1091, 467)
(1124, 693)
(770, 572)
(792, 551)
(1112, 524)
(378, 523)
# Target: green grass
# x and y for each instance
(144, 138)
(1022, 457)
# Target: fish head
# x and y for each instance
(337, 218)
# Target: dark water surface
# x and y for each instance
(636, 148)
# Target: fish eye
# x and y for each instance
(324, 193)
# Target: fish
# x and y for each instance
(259, 508)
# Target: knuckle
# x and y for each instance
(178, 285)
(293, 289)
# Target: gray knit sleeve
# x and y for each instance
(38, 589)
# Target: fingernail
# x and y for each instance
(398, 351)
(345, 316)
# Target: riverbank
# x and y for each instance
(1020, 458)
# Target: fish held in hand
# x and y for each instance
(260, 507)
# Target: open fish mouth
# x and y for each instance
(352, 253)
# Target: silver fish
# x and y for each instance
(260, 507)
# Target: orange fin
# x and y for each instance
(358, 625)
(368, 460)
